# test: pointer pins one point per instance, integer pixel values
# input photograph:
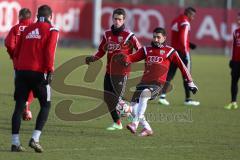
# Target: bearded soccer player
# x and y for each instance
(180, 29)
(235, 67)
(11, 42)
(34, 55)
(116, 40)
(158, 58)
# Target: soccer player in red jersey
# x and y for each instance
(11, 42)
(116, 40)
(180, 29)
(158, 58)
(235, 66)
(34, 55)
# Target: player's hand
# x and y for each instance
(121, 58)
(192, 45)
(48, 78)
(89, 59)
(192, 87)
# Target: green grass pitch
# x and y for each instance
(197, 133)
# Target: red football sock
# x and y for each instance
(119, 122)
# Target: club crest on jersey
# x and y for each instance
(113, 46)
(162, 52)
(120, 39)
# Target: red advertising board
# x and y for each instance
(212, 27)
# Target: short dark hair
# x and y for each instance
(189, 10)
(160, 30)
(25, 13)
(119, 11)
(44, 11)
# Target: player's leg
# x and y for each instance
(141, 108)
(20, 96)
(114, 87)
(171, 73)
(234, 82)
(119, 86)
(134, 104)
(234, 87)
(43, 93)
(147, 130)
(188, 101)
(234, 91)
(27, 114)
(155, 90)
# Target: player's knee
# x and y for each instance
(146, 93)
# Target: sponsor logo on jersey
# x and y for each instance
(113, 46)
(34, 34)
(154, 59)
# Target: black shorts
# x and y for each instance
(115, 84)
(27, 81)
(155, 90)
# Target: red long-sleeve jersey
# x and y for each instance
(112, 44)
(180, 29)
(157, 62)
(36, 48)
(14, 35)
(236, 46)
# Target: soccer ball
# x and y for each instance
(123, 108)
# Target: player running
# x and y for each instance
(11, 42)
(158, 58)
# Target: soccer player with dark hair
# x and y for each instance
(235, 67)
(116, 40)
(180, 29)
(11, 41)
(158, 58)
(34, 55)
